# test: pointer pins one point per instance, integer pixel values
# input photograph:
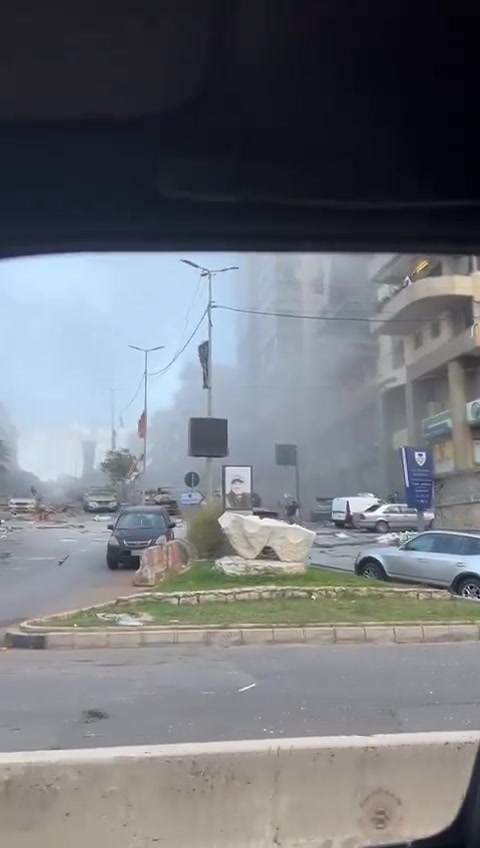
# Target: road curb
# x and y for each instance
(338, 634)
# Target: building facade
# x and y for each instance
(427, 326)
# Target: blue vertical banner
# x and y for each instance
(417, 468)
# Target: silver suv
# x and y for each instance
(444, 558)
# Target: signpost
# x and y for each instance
(191, 498)
(417, 468)
(191, 479)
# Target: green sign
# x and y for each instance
(437, 425)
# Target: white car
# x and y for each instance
(343, 509)
(387, 516)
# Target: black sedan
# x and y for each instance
(137, 528)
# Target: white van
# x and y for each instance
(357, 503)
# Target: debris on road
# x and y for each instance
(126, 619)
(93, 715)
(396, 539)
(61, 561)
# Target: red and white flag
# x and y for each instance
(142, 425)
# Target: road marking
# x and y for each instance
(244, 688)
(69, 540)
(40, 559)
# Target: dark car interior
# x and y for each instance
(238, 125)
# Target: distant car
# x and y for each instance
(23, 505)
(321, 510)
(343, 509)
(387, 516)
(100, 500)
(445, 558)
(137, 528)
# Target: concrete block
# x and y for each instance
(95, 639)
(124, 638)
(437, 633)
(224, 638)
(60, 640)
(408, 633)
(257, 635)
(158, 637)
(349, 635)
(379, 634)
(337, 791)
(320, 635)
(191, 637)
(288, 634)
(464, 632)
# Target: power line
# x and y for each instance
(182, 349)
(132, 401)
(309, 317)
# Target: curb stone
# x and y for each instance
(340, 634)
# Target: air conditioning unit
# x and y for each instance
(473, 412)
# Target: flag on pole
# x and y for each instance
(142, 425)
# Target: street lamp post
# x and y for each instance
(145, 351)
(209, 273)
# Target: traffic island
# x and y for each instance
(243, 611)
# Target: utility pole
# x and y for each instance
(145, 351)
(209, 273)
(113, 432)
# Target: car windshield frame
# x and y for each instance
(159, 520)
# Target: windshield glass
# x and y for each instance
(238, 387)
(374, 507)
(129, 520)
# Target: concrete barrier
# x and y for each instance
(338, 791)
(159, 561)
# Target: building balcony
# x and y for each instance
(466, 343)
(421, 301)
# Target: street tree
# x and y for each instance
(118, 464)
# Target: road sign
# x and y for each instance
(417, 468)
(191, 479)
(286, 455)
(191, 498)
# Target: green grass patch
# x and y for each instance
(295, 611)
(203, 576)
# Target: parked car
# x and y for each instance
(343, 509)
(445, 558)
(137, 528)
(99, 499)
(22, 505)
(321, 510)
(388, 516)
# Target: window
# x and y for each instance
(144, 520)
(398, 354)
(435, 329)
(448, 543)
(418, 339)
(470, 546)
(425, 543)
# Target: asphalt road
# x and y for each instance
(32, 582)
(338, 548)
(52, 700)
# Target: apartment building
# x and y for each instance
(348, 432)
(427, 326)
(278, 362)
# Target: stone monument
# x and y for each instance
(252, 537)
